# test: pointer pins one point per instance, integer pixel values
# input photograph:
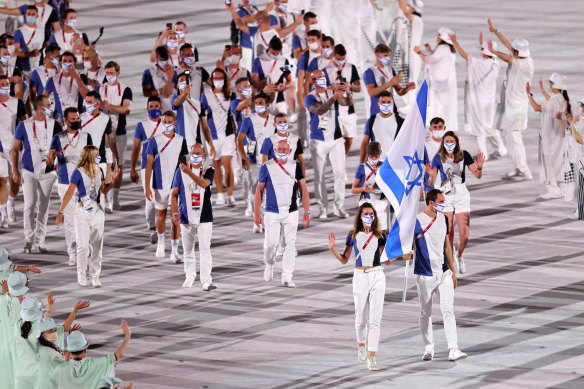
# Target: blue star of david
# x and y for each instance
(414, 160)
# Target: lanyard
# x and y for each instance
(340, 71)
(233, 75)
(4, 105)
(326, 94)
(266, 122)
(219, 102)
(119, 90)
(382, 72)
(273, 65)
(372, 171)
(262, 36)
(285, 171)
(167, 143)
(367, 243)
(35, 134)
(193, 183)
(89, 121)
(70, 84)
(427, 228)
(70, 141)
(30, 40)
(154, 132)
(193, 107)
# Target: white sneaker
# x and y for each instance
(220, 199)
(551, 195)
(109, 208)
(279, 251)
(288, 284)
(340, 213)
(455, 354)
(293, 118)
(322, 214)
(4, 222)
(72, 260)
(188, 282)
(40, 248)
(153, 236)
(27, 247)
(512, 174)
(269, 273)
(231, 201)
(10, 213)
(207, 286)
(82, 279)
(574, 215)
(461, 265)
(248, 210)
(95, 282)
(362, 354)
(372, 363)
(175, 257)
(428, 355)
(160, 250)
(257, 229)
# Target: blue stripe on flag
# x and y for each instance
(393, 182)
(393, 246)
(422, 100)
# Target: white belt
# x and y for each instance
(370, 270)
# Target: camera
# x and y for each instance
(286, 70)
(188, 74)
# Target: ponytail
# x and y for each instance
(25, 329)
(567, 98)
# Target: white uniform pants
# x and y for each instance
(496, 142)
(204, 232)
(443, 287)
(149, 207)
(273, 223)
(515, 143)
(121, 143)
(369, 295)
(69, 223)
(335, 151)
(246, 57)
(89, 228)
(36, 189)
(250, 182)
(301, 123)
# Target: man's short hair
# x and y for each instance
(66, 13)
(32, 7)
(261, 95)
(275, 44)
(112, 64)
(382, 48)
(373, 149)
(169, 113)
(432, 195)
(240, 80)
(68, 111)
(436, 120)
(314, 33)
(180, 22)
(94, 94)
(384, 93)
(328, 38)
(68, 54)
(51, 49)
(280, 115)
(340, 50)
(38, 101)
(162, 52)
(155, 99)
(309, 15)
(184, 47)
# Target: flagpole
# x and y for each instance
(407, 271)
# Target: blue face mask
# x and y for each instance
(154, 113)
(321, 82)
(282, 127)
(282, 156)
(386, 108)
(260, 108)
(273, 56)
(367, 220)
(449, 147)
(251, 2)
(196, 159)
(439, 207)
(31, 20)
(189, 61)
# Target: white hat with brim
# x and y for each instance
(76, 342)
(109, 382)
(17, 284)
(522, 47)
(444, 34)
(5, 262)
(30, 310)
(485, 49)
(46, 324)
(558, 81)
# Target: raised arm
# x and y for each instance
(502, 56)
(10, 11)
(458, 47)
(79, 305)
(238, 21)
(534, 104)
(283, 32)
(127, 334)
(343, 258)
(500, 36)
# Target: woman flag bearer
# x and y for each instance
(87, 183)
(281, 181)
(452, 161)
(435, 274)
(368, 279)
(191, 209)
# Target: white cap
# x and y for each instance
(485, 48)
(558, 80)
(444, 34)
(522, 46)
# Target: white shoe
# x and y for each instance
(10, 213)
(72, 260)
(512, 174)
(27, 247)
(372, 363)
(455, 354)
(220, 199)
(574, 215)
(288, 284)
(160, 250)
(269, 273)
(279, 251)
(257, 229)
(362, 354)
(340, 213)
(231, 201)
(428, 355)
(461, 265)
(82, 279)
(235, 180)
(207, 286)
(293, 118)
(40, 248)
(248, 210)
(174, 257)
(95, 282)
(153, 236)
(188, 282)
(322, 214)
(109, 208)
(4, 222)
(551, 195)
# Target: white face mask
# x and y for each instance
(112, 79)
(161, 64)
(181, 85)
(372, 162)
(313, 46)
(339, 63)
(367, 219)
(189, 61)
(438, 134)
(168, 128)
(282, 127)
(218, 84)
(71, 23)
(55, 62)
(67, 66)
(449, 147)
(282, 156)
(384, 60)
(196, 159)
(172, 44)
(314, 26)
(260, 108)
(87, 65)
(90, 108)
(246, 92)
(4, 59)
(327, 52)
(5, 91)
(321, 82)
(181, 35)
(233, 59)
(11, 49)
(386, 108)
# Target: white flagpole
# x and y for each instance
(407, 273)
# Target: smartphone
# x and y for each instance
(401, 74)
(227, 2)
(188, 74)
(169, 26)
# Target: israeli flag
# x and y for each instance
(401, 176)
